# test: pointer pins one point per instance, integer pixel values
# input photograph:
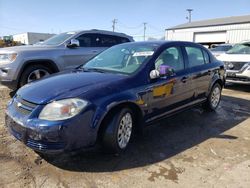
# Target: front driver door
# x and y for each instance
(166, 94)
(79, 55)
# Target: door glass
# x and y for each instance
(172, 57)
(85, 40)
(206, 56)
(108, 41)
(195, 56)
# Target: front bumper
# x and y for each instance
(238, 77)
(8, 76)
(51, 136)
(48, 141)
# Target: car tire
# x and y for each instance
(34, 72)
(118, 131)
(214, 97)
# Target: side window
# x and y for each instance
(85, 40)
(195, 56)
(108, 41)
(172, 57)
(206, 56)
(123, 40)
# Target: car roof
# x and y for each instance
(163, 42)
(102, 32)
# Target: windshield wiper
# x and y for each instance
(93, 69)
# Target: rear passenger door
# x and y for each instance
(198, 66)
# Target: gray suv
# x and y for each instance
(23, 64)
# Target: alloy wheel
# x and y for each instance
(124, 130)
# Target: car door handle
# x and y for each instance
(184, 79)
(94, 51)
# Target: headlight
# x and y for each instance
(8, 57)
(62, 109)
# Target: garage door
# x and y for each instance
(211, 37)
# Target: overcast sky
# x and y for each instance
(55, 16)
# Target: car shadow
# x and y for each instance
(163, 140)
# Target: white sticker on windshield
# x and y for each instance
(146, 53)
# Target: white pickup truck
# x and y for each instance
(237, 63)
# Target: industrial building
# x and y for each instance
(31, 38)
(214, 31)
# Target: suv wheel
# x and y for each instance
(33, 73)
(118, 132)
(214, 97)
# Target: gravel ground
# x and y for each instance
(191, 149)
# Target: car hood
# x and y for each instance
(26, 48)
(234, 57)
(67, 85)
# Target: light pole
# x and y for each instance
(189, 15)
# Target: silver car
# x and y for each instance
(23, 64)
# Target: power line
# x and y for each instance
(129, 27)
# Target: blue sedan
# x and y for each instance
(121, 90)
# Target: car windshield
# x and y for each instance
(57, 39)
(243, 48)
(124, 58)
(221, 48)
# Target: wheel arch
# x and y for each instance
(216, 79)
(137, 114)
(46, 62)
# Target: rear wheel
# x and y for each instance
(214, 98)
(33, 73)
(118, 131)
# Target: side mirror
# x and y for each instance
(154, 74)
(166, 70)
(73, 43)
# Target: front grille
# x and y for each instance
(230, 65)
(22, 106)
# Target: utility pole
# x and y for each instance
(114, 21)
(144, 33)
(189, 15)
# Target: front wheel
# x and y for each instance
(118, 132)
(34, 72)
(214, 97)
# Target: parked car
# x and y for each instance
(23, 64)
(123, 89)
(221, 49)
(237, 63)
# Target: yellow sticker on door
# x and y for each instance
(163, 90)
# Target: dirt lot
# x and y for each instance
(192, 149)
